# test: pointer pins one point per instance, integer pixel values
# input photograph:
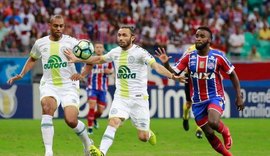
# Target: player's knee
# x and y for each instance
(213, 123)
(143, 137)
(48, 105)
(71, 122)
(115, 122)
(209, 135)
(188, 104)
(48, 109)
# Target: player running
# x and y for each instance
(207, 93)
(97, 86)
(131, 97)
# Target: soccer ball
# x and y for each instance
(84, 49)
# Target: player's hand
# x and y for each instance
(76, 77)
(161, 54)
(239, 103)
(179, 78)
(107, 71)
(14, 78)
(71, 57)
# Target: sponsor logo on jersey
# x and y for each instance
(201, 75)
(55, 62)
(125, 73)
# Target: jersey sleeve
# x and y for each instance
(181, 64)
(108, 57)
(35, 51)
(225, 64)
(74, 41)
(147, 57)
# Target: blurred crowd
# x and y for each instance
(159, 23)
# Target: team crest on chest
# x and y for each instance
(63, 48)
(201, 64)
(211, 65)
(131, 59)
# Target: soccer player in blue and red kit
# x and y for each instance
(204, 66)
(97, 86)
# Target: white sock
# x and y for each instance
(47, 132)
(107, 139)
(80, 130)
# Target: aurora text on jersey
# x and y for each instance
(56, 69)
(55, 62)
(131, 70)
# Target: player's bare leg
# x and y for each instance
(49, 106)
(71, 118)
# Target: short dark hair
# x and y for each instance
(206, 29)
(98, 42)
(131, 28)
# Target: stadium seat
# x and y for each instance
(250, 40)
(264, 49)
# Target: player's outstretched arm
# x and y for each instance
(163, 71)
(164, 58)
(92, 60)
(236, 84)
(30, 63)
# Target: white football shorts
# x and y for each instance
(137, 108)
(65, 95)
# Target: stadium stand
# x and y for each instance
(22, 22)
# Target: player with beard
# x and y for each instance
(131, 97)
(204, 66)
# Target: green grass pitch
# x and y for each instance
(23, 138)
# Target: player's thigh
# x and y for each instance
(71, 114)
(200, 113)
(48, 105)
(140, 115)
(215, 110)
(49, 94)
(119, 108)
(69, 96)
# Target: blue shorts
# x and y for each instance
(200, 110)
(99, 96)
